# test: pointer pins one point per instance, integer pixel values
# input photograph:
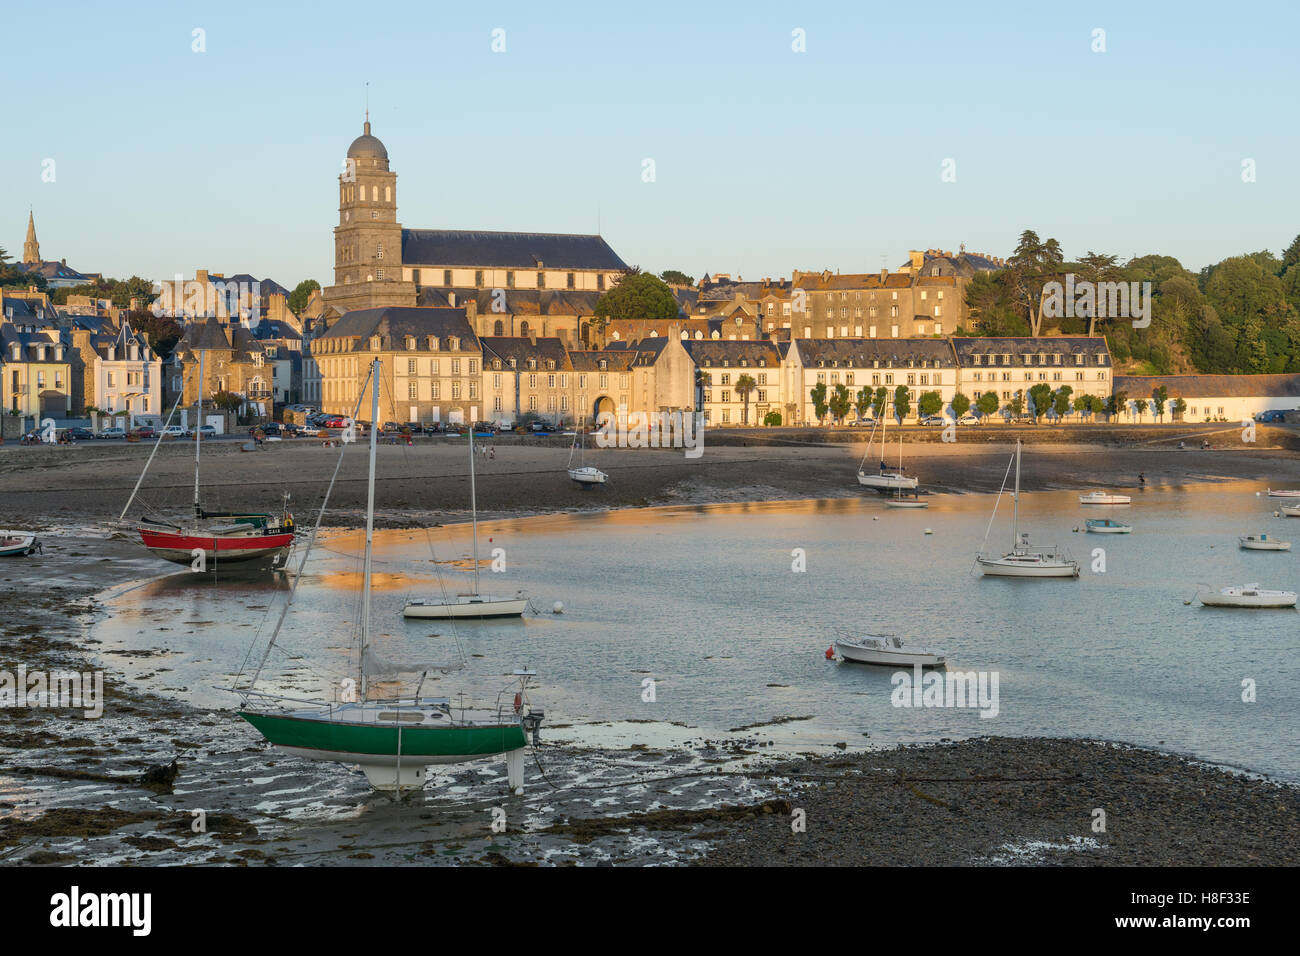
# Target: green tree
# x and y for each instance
(773, 419)
(818, 396)
(301, 293)
(930, 403)
(987, 404)
(745, 384)
(1061, 401)
(673, 277)
(1017, 405)
(638, 295)
(862, 402)
(880, 401)
(960, 404)
(902, 403)
(1117, 403)
(1178, 407)
(840, 402)
(1098, 267)
(1159, 396)
(1141, 406)
(1033, 264)
(1040, 397)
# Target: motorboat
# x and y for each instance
(1107, 526)
(1104, 498)
(886, 650)
(1278, 493)
(1262, 542)
(1290, 511)
(1247, 595)
(14, 544)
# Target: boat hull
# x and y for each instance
(1260, 601)
(1277, 493)
(886, 482)
(1105, 500)
(14, 544)
(1108, 528)
(512, 607)
(588, 477)
(1000, 567)
(1264, 545)
(217, 550)
(907, 504)
(889, 657)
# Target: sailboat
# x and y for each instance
(221, 537)
(475, 603)
(885, 480)
(1023, 561)
(392, 739)
(585, 475)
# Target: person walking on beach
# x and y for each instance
(1142, 479)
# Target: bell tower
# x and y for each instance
(368, 237)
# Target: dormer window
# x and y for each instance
(433, 343)
(410, 343)
(532, 365)
(550, 364)
(496, 365)
(604, 364)
(375, 343)
(453, 343)
(514, 363)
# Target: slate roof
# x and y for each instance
(865, 353)
(1025, 351)
(212, 336)
(507, 250)
(521, 349)
(55, 270)
(616, 360)
(1211, 386)
(11, 333)
(394, 323)
(712, 354)
(518, 301)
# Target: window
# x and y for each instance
(455, 390)
(478, 278)
(570, 280)
(411, 391)
(541, 280)
(379, 250)
(455, 366)
(410, 363)
(532, 381)
(446, 277)
(379, 274)
(724, 396)
(893, 331)
(600, 282)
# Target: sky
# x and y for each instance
(897, 126)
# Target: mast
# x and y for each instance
(198, 434)
(1015, 513)
(370, 529)
(473, 504)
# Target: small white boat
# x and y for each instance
(14, 544)
(467, 605)
(888, 651)
(886, 479)
(1247, 595)
(588, 475)
(1262, 542)
(906, 503)
(1103, 498)
(1291, 511)
(1107, 526)
(584, 475)
(1277, 493)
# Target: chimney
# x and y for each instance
(884, 274)
(200, 275)
(918, 258)
(532, 337)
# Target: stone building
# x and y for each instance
(721, 366)
(921, 364)
(430, 365)
(116, 370)
(520, 283)
(1011, 366)
(233, 361)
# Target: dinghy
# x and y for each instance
(886, 650)
(16, 544)
(1247, 595)
(1107, 526)
(1262, 542)
(1278, 493)
(1103, 498)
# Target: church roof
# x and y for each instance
(396, 322)
(366, 145)
(507, 250)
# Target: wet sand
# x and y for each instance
(71, 791)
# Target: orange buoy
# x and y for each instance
(519, 702)
(830, 653)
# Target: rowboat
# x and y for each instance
(14, 544)
(886, 650)
(1247, 595)
(1107, 526)
(1262, 542)
(1103, 498)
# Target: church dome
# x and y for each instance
(366, 146)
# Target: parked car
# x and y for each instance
(113, 432)
(146, 431)
(77, 433)
(968, 419)
(862, 423)
(933, 420)
(308, 431)
(540, 427)
(175, 431)
(207, 431)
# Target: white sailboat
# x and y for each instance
(393, 739)
(473, 604)
(585, 475)
(1024, 561)
(1104, 498)
(1247, 595)
(885, 479)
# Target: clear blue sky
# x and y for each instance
(766, 159)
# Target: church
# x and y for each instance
(509, 283)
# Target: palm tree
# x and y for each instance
(744, 385)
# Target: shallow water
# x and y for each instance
(704, 602)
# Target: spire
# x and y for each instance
(31, 248)
(367, 123)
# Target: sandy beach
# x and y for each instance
(75, 791)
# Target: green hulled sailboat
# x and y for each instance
(393, 740)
